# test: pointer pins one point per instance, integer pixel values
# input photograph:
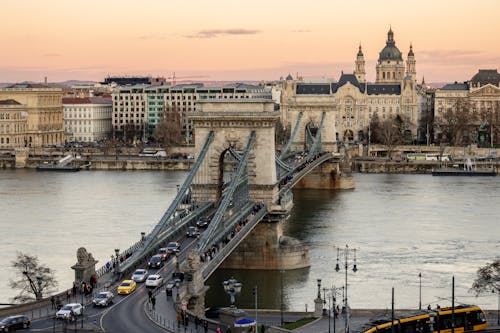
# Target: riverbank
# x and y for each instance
(408, 167)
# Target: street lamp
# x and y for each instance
(420, 291)
(232, 287)
(117, 253)
(346, 251)
(498, 306)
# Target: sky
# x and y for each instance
(241, 40)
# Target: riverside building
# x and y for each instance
(13, 119)
(43, 104)
(87, 119)
(354, 101)
(481, 95)
(138, 109)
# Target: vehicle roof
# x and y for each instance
(156, 256)
(154, 275)
(129, 281)
(140, 270)
(172, 243)
(73, 304)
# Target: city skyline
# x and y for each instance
(233, 41)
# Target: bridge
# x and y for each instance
(240, 182)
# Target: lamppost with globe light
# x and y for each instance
(346, 251)
(232, 287)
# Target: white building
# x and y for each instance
(87, 119)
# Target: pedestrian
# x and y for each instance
(429, 307)
(74, 288)
(438, 307)
(153, 302)
(218, 330)
(150, 294)
(53, 302)
(68, 295)
(196, 322)
(205, 326)
(179, 319)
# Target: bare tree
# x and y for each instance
(389, 133)
(32, 278)
(488, 278)
(490, 117)
(169, 130)
(456, 123)
(282, 133)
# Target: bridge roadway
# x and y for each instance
(126, 314)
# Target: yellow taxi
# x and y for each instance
(126, 287)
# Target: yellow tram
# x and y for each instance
(468, 318)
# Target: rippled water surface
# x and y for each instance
(401, 225)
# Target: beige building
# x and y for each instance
(87, 119)
(13, 117)
(481, 95)
(351, 102)
(45, 113)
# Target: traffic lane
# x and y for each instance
(128, 315)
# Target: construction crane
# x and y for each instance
(174, 77)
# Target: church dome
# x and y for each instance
(390, 51)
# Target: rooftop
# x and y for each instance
(456, 86)
(86, 100)
(9, 102)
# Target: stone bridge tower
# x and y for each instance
(232, 122)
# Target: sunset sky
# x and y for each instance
(241, 40)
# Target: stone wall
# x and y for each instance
(267, 248)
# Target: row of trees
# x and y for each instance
(463, 124)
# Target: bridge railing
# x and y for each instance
(226, 250)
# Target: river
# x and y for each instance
(400, 225)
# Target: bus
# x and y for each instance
(428, 157)
(467, 318)
(153, 153)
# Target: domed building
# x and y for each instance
(390, 65)
(351, 102)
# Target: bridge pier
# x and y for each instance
(327, 176)
(267, 248)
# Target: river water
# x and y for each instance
(400, 225)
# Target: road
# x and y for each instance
(126, 314)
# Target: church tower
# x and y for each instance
(411, 69)
(390, 65)
(360, 66)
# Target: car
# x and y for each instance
(14, 322)
(155, 262)
(163, 252)
(173, 247)
(192, 232)
(70, 310)
(203, 222)
(104, 298)
(126, 287)
(212, 312)
(140, 275)
(154, 280)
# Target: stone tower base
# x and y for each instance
(267, 248)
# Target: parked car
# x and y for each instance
(70, 310)
(140, 275)
(104, 298)
(126, 287)
(203, 222)
(163, 252)
(155, 262)
(14, 322)
(173, 247)
(154, 280)
(192, 232)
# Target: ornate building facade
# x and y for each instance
(481, 96)
(87, 119)
(351, 102)
(12, 124)
(45, 112)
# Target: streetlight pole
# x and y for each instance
(453, 304)
(354, 269)
(255, 291)
(420, 291)
(281, 296)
